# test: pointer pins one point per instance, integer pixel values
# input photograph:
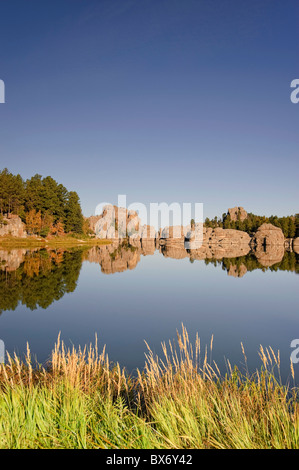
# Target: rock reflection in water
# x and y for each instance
(36, 278)
(118, 257)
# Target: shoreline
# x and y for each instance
(15, 242)
(81, 400)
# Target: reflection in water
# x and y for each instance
(238, 267)
(119, 257)
(236, 260)
(114, 258)
(36, 278)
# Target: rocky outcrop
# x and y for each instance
(296, 245)
(237, 213)
(116, 223)
(12, 226)
(208, 236)
(114, 258)
(11, 260)
(237, 271)
(203, 243)
(268, 235)
(174, 251)
(92, 221)
(196, 242)
(269, 255)
(220, 236)
(219, 252)
(288, 244)
(175, 232)
(148, 246)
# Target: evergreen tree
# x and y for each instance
(45, 205)
(11, 193)
(73, 215)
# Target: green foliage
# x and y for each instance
(44, 232)
(12, 193)
(73, 215)
(44, 196)
(179, 401)
(290, 262)
(213, 223)
(289, 225)
(42, 278)
(2, 220)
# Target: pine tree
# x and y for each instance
(73, 215)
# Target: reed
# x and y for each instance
(179, 401)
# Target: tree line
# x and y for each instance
(45, 206)
(289, 224)
(42, 278)
(289, 262)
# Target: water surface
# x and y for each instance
(126, 295)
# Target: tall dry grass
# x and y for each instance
(80, 400)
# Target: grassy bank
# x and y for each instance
(81, 401)
(67, 241)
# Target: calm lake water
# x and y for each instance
(126, 298)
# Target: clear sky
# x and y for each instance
(161, 100)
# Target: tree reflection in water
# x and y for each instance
(36, 278)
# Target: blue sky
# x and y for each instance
(161, 100)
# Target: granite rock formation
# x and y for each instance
(237, 271)
(269, 255)
(114, 258)
(12, 259)
(116, 223)
(296, 245)
(237, 213)
(268, 235)
(178, 242)
(222, 236)
(12, 226)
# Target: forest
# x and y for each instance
(288, 224)
(43, 204)
(48, 208)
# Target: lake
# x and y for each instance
(126, 296)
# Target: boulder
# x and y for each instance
(237, 271)
(219, 252)
(221, 236)
(115, 223)
(12, 226)
(148, 246)
(269, 255)
(147, 232)
(296, 245)
(237, 213)
(268, 235)
(115, 257)
(175, 251)
(177, 232)
(288, 244)
(11, 260)
(119, 223)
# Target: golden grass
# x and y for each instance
(68, 242)
(180, 401)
